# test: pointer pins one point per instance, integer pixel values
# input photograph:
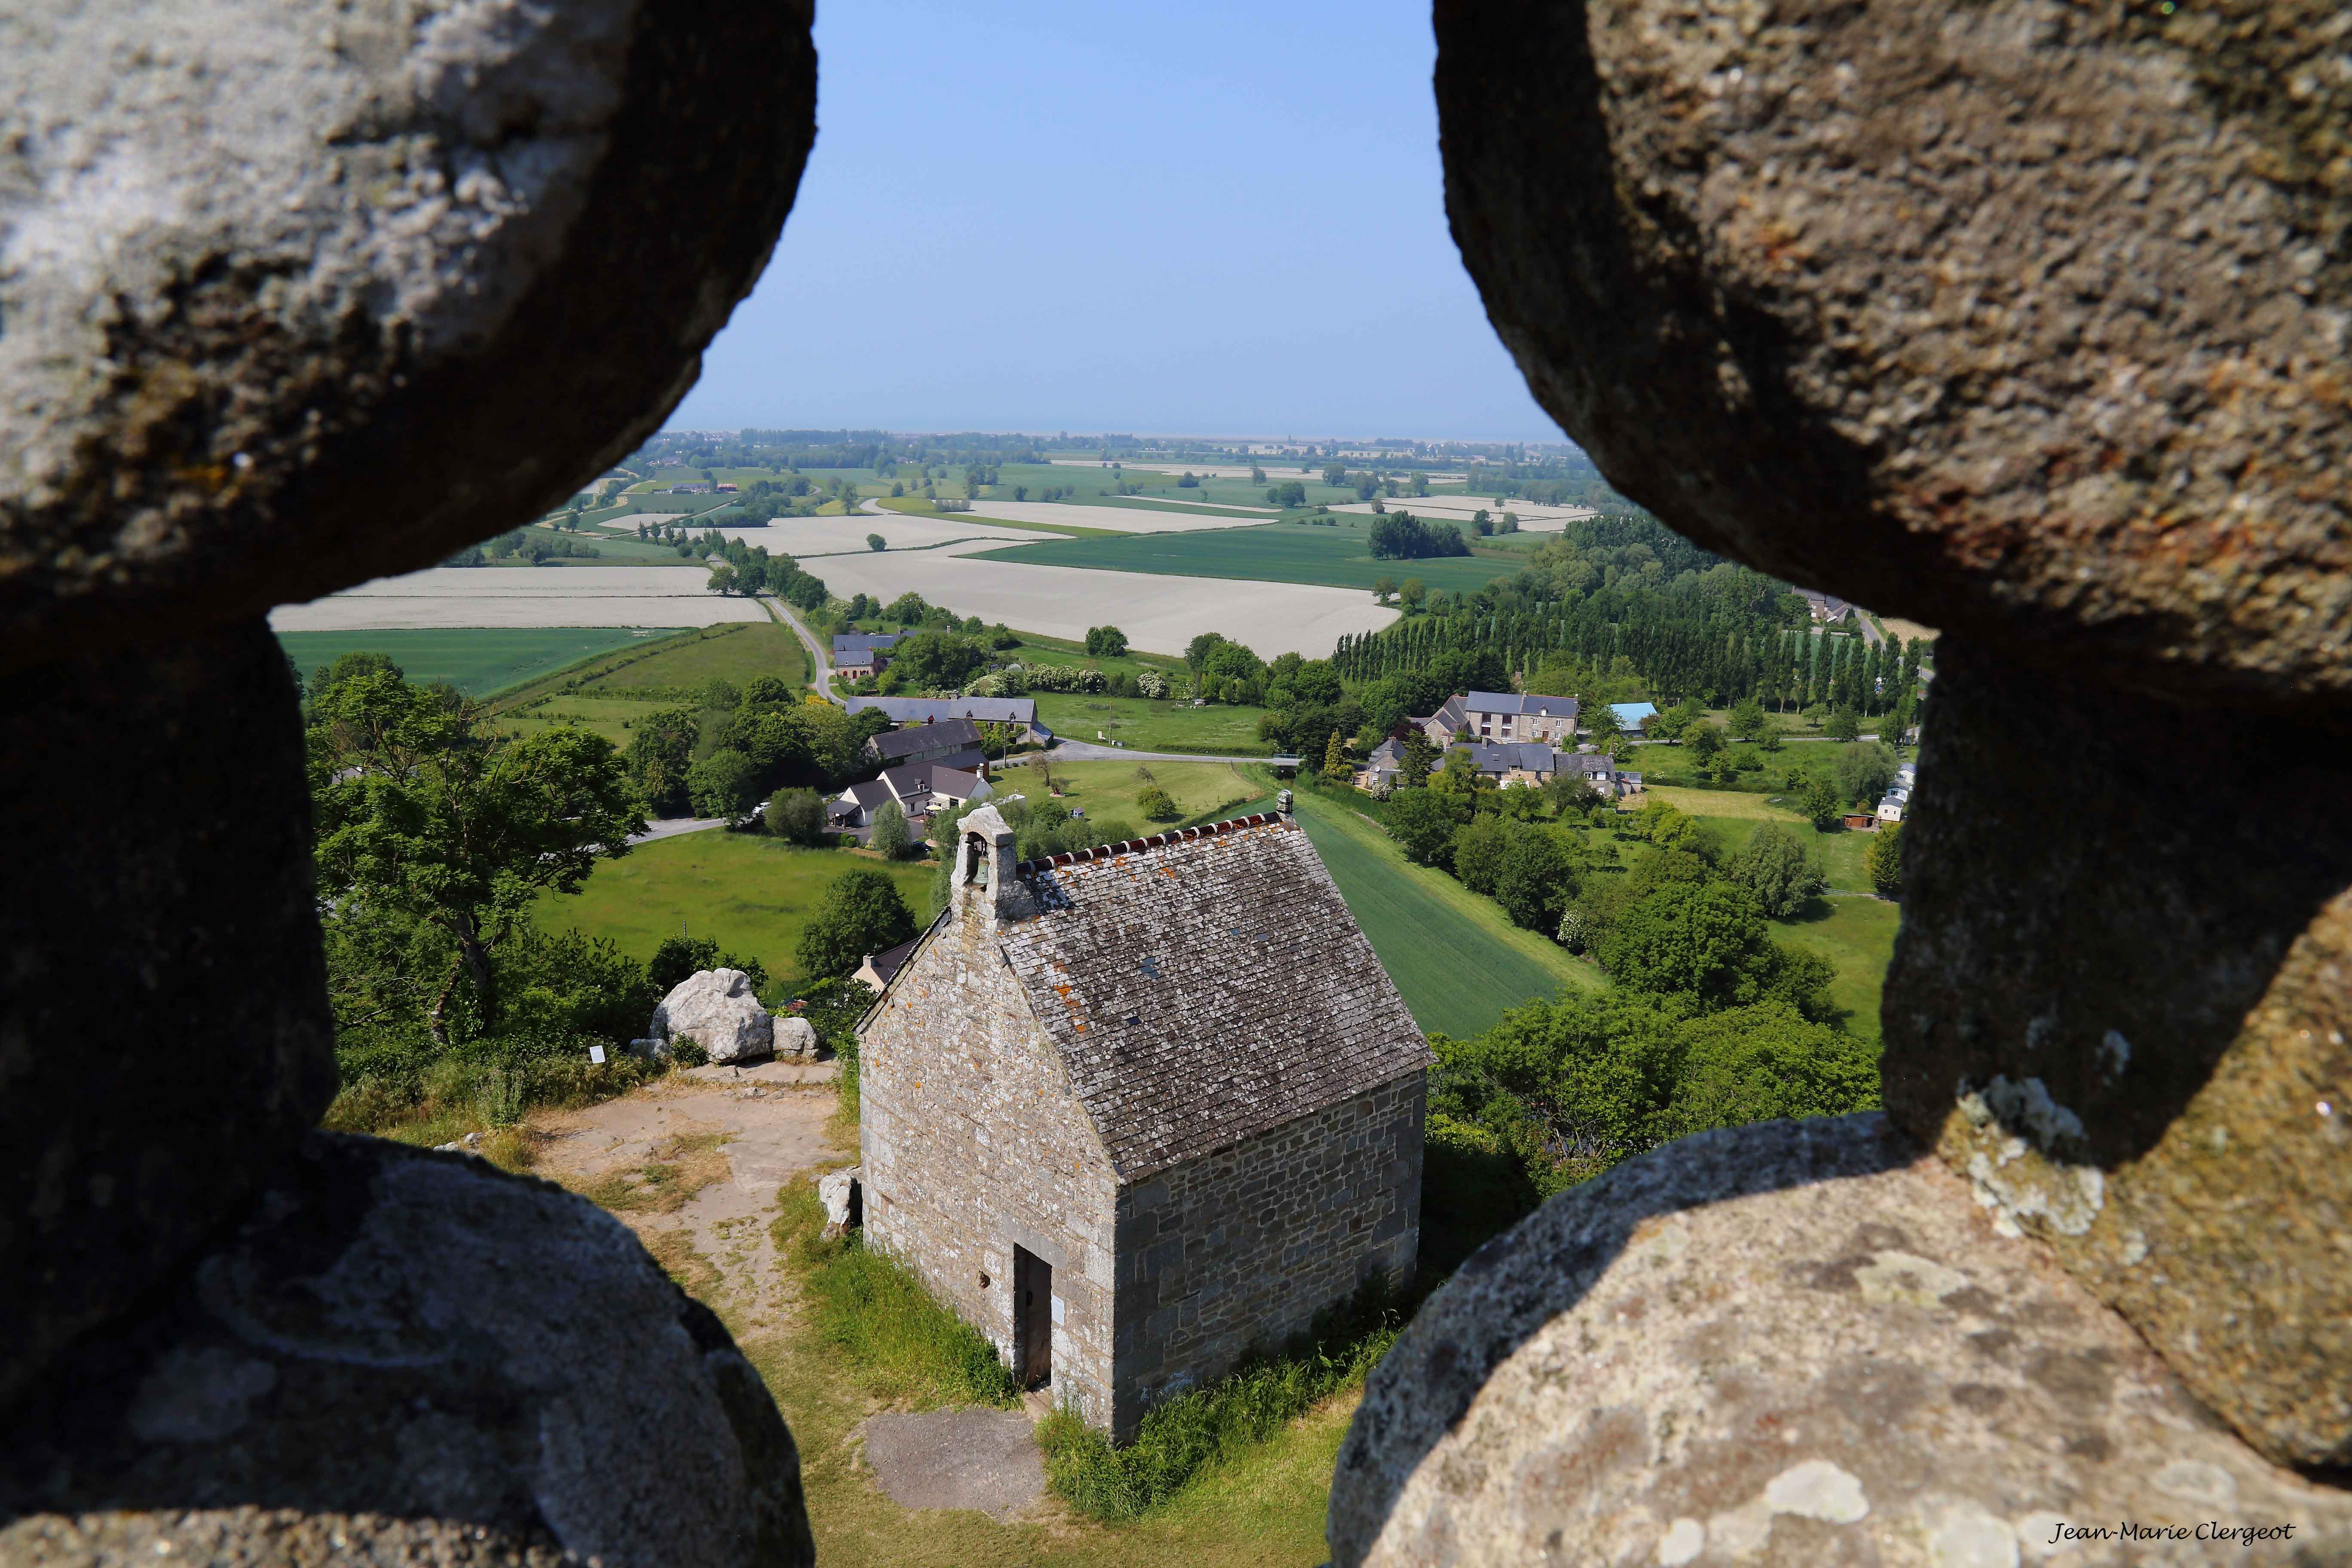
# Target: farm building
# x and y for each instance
(1137, 1110)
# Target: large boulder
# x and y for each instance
(1790, 1345)
(160, 905)
(795, 1036)
(717, 1009)
(2025, 319)
(264, 253)
(428, 1350)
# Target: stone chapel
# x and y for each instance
(1135, 1110)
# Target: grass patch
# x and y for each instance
(674, 1249)
(1148, 725)
(612, 717)
(1454, 957)
(751, 892)
(680, 1166)
(749, 648)
(902, 1344)
(1181, 1437)
(478, 660)
(1109, 791)
(1857, 936)
(1334, 557)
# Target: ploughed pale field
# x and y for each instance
(1533, 519)
(524, 597)
(1159, 615)
(1277, 469)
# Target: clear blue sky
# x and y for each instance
(1203, 219)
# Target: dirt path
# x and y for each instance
(693, 1165)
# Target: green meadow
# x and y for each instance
(478, 660)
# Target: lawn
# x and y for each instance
(752, 893)
(734, 652)
(1106, 791)
(1333, 557)
(1455, 959)
(1150, 725)
(611, 717)
(478, 660)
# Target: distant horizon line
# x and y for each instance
(1555, 440)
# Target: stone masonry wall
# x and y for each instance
(1241, 1248)
(972, 1143)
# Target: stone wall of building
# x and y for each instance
(973, 1144)
(1241, 1248)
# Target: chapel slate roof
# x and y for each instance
(1206, 988)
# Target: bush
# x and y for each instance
(1775, 867)
(1182, 1436)
(679, 958)
(903, 1343)
(1150, 683)
(1883, 860)
(797, 815)
(1105, 642)
(889, 836)
(1157, 804)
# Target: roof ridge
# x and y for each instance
(1137, 846)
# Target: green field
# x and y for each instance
(747, 648)
(1106, 791)
(753, 894)
(476, 661)
(1455, 959)
(1274, 552)
(1148, 725)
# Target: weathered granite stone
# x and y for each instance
(261, 1538)
(421, 1338)
(716, 1009)
(164, 1037)
(257, 258)
(2027, 318)
(2158, 1084)
(1795, 1343)
(795, 1037)
(837, 1191)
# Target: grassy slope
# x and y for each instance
(1107, 792)
(1454, 957)
(1153, 726)
(478, 660)
(760, 648)
(753, 894)
(1334, 557)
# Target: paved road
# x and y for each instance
(820, 656)
(671, 826)
(1088, 752)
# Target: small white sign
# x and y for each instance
(597, 1055)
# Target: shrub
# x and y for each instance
(1157, 804)
(797, 815)
(1180, 1437)
(1150, 683)
(890, 838)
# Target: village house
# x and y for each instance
(955, 741)
(856, 655)
(920, 788)
(1019, 713)
(1137, 1110)
(880, 968)
(1500, 716)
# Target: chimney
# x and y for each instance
(1282, 804)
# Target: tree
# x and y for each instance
(661, 750)
(1419, 756)
(1823, 807)
(679, 958)
(1705, 940)
(1883, 860)
(1775, 867)
(797, 815)
(421, 809)
(1412, 594)
(877, 542)
(889, 838)
(1747, 719)
(1602, 723)
(1536, 880)
(862, 914)
(725, 785)
(1865, 771)
(1334, 761)
(725, 579)
(1422, 821)
(1845, 724)
(1105, 642)
(1384, 589)
(1705, 743)
(1157, 804)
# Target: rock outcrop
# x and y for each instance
(310, 240)
(419, 1337)
(2028, 321)
(839, 1191)
(1793, 1343)
(717, 1010)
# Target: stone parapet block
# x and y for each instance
(422, 1344)
(302, 292)
(1788, 1345)
(2026, 319)
(164, 1036)
(2118, 1004)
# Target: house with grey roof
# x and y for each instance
(920, 788)
(1021, 712)
(858, 654)
(1519, 716)
(955, 741)
(1136, 1111)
